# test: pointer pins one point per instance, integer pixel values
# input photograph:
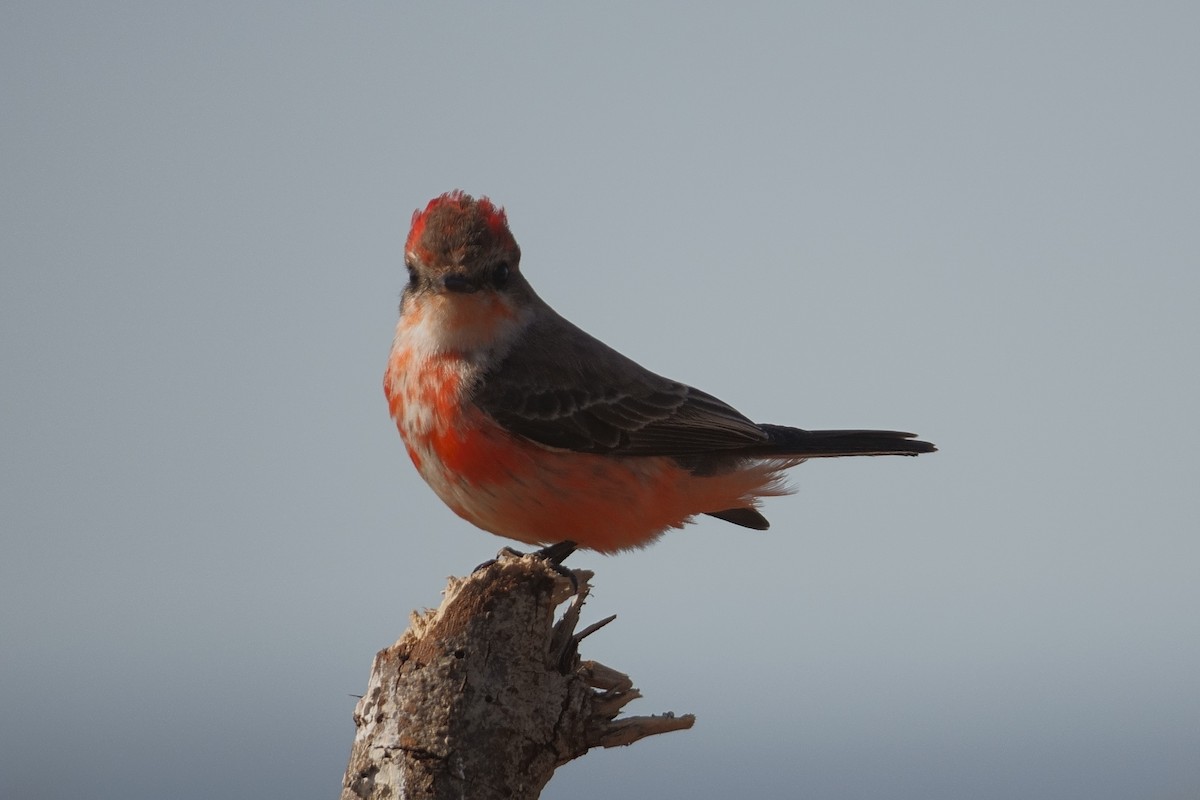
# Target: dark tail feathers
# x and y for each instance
(831, 444)
(793, 442)
(796, 443)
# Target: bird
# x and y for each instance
(531, 429)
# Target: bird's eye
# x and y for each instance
(412, 274)
(500, 274)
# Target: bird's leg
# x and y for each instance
(557, 553)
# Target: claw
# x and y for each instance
(553, 555)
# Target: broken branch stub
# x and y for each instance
(486, 696)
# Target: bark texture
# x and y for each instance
(486, 696)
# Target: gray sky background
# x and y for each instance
(977, 223)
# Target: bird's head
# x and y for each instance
(462, 245)
(465, 292)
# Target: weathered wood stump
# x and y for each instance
(486, 696)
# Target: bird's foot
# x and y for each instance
(553, 555)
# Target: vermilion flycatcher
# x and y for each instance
(530, 428)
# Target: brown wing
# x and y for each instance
(563, 388)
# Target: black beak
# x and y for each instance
(459, 283)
